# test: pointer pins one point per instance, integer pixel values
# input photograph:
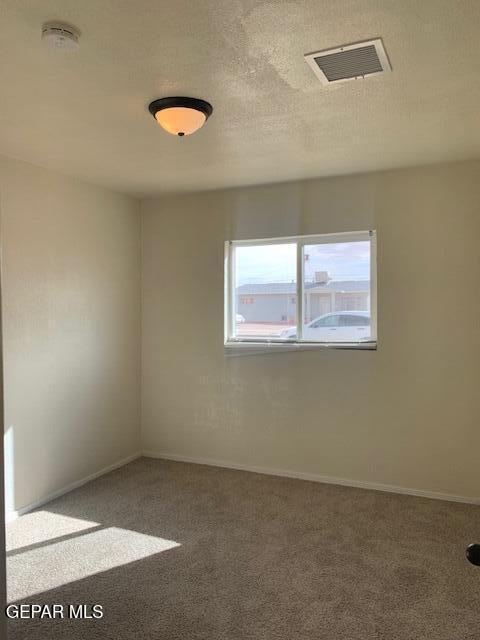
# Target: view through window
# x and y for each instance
(305, 289)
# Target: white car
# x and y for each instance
(239, 318)
(340, 326)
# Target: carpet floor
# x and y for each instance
(181, 551)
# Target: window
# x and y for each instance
(301, 290)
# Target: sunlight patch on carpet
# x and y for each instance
(40, 526)
(52, 565)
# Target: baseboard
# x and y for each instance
(312, 477)
(359, 484)
(13, 515)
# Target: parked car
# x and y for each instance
(239, 318)
(339, 326)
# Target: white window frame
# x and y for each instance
(231, 341)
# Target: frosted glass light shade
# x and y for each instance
(180, 121)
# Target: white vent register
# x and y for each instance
(349, 62)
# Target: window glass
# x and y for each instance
(336, 282)
(265, 290)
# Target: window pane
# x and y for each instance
(336, 291)
(265, 291)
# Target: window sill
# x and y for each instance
(245, 348)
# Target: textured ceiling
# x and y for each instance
(85, 114)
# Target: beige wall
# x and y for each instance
(71, 289)
(406, 415)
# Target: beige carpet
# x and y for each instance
(179, 551)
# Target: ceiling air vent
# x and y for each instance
(350, 62)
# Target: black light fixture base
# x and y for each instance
(181, 101)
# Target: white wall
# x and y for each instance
(71, 311)
(3, 576)
(405, 415)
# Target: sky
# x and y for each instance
(277, 262)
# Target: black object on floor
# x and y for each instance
(473, 553)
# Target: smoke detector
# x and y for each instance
(60, 36)
(349, 62)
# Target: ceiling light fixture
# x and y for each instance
(180, 116)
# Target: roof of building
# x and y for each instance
(347, 286)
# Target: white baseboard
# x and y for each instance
(13, 515)
(312, 477)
